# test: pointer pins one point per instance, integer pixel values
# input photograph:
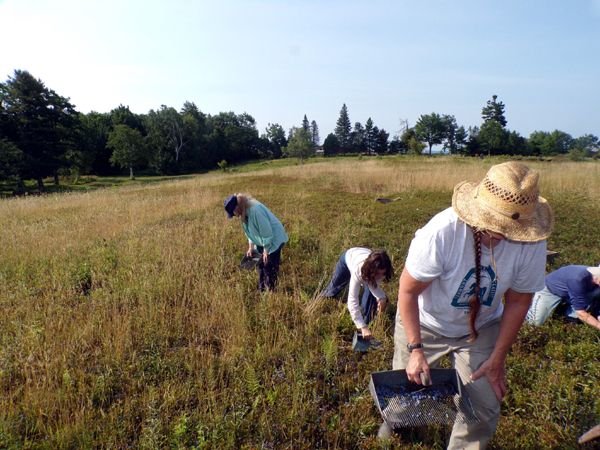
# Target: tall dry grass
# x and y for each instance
(385, 176)
(126, 323)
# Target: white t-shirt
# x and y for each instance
(355, 257)
(443, 253)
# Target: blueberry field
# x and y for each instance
(127, 322)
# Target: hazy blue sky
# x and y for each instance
(279, 60)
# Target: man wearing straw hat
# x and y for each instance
(489, 247)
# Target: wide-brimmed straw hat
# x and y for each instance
(506, 201)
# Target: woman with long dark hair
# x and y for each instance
(361, 267)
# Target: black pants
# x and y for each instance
(267, 273)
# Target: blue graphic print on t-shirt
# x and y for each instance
(487, 288)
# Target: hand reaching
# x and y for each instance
(366, 333)
(496, 375)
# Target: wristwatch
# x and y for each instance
(412, 347)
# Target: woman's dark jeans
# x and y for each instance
(267, 273)
(340, 279)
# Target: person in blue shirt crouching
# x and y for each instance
(576, 289)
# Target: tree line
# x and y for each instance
(42, 135)
(492, 137)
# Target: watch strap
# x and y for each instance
(412, 347)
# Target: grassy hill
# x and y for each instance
(127, 324)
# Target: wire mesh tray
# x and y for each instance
(362, 345)
(406, 404)
(250, 262)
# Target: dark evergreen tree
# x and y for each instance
(370, 136)
(381, 141)
(343, 128)
(11, 164)
(40, 123)
(305, 124)
(397, 146)
(460, 139)
(473, 147)
(494, 110)
(357, 138)
(314, 133)
(331, 145)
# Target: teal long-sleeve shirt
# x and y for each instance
(262, 228)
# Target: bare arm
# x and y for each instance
(516, 305)
(588, 319)
(408, 307)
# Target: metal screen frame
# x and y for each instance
(404, 404)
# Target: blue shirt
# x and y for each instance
(573, 284)
(262, 228)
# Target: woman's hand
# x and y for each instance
(265, 256)
(381, 305)
(366, 333)
(417, 364)
(516, 305)
(496, 375)
(250, 251)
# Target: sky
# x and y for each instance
(280, 60)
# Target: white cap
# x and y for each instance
(595, 271)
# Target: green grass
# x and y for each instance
(128, 325)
